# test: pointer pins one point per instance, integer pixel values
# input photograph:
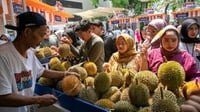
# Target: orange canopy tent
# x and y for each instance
(45, 7)
(191, 13)
(63, 14)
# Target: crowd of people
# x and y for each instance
(90, 41)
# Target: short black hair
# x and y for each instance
(83, 25)
(97, 22)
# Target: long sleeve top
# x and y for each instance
(92, 49)
(155, 59)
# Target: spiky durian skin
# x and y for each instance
(47, 51)
(148, 78)
(91, 68)
(58, 67)
(113, 94)
(54, 62)
(66, 64)
(139, 94)
(124, 106)
(88, 93)
(166, 95)
(125, 95)
(145, 109)
(71, 85)
(81, 70)
(128, 75)
(117, 78)
(89, 81)
(39, 54)
(102, 82)
(64, 50)
(171, 74)
(165, 105)
(46, 81)
(105, 103)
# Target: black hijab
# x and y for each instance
(184, 31)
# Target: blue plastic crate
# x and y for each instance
(73, 104)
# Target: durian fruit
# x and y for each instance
(191, 86)
(148, 78)
(113, 94)
(54, 62)
(181, 100)
(89, 94)
(47, 51)
(117, 78)
(59, 85)
(139, 94)
(124, 106)
(91, 68)
(64, 50)
(53, 52)
(46, 81)
(81, 71)
(125, 95)
(145, 109)
(129, 75)
(39, 54)
(102, 82)
(171, 74)
(105, 103)
(58, 67)
(89, 81)
(71, 85)
(163, 104)
(166, 95)
(66, 64)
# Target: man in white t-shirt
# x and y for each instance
(19, 68)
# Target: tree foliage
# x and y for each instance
(138, 6)
(120, 3)
(95, 3)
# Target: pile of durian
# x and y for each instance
(125, 90)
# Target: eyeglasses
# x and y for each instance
(151, 31)
(120, 43)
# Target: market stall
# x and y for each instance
(146, 18)
(52, 15)
(186, 13)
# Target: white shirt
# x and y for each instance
(189, 47)
(18, 74)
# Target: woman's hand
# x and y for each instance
(106, 66)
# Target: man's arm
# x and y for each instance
(14, 100)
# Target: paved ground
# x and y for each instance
(53, 108)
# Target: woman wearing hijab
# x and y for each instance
(152, 29)
(169, 40)
(189, 38)
(126, 55)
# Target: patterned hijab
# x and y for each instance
(184, 31)
(166, 53)
(130, 53)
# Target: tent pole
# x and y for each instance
(12, 15)
(24, 5)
